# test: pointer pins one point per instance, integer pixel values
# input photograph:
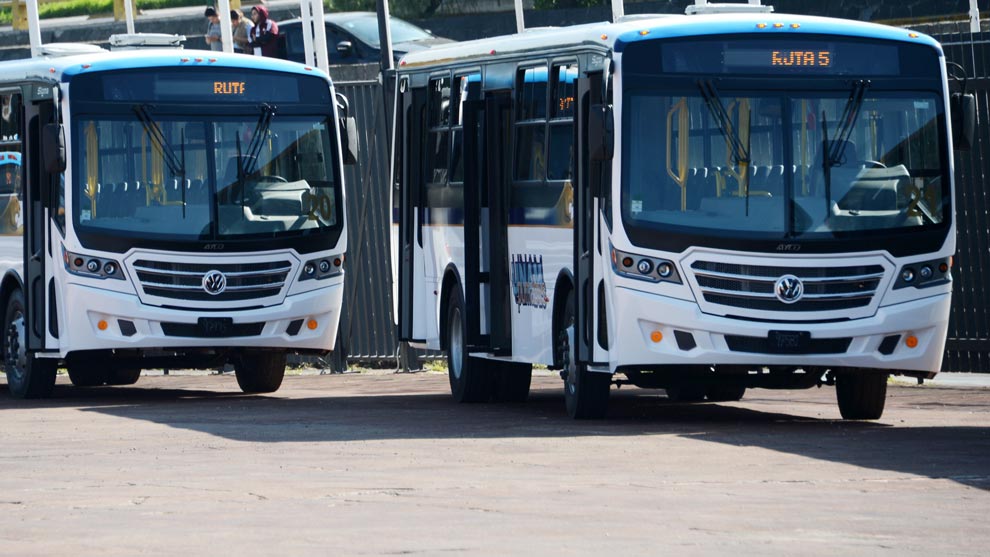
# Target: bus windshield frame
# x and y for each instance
(729, 138)
(221, 175)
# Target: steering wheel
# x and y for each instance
(873, 164)
(271, 178)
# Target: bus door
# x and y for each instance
(411, 118)
(486, 202)
(39, 198)
(590, 232)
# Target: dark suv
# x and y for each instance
(352, 38)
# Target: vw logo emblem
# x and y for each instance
(214, 282)
(789, 289)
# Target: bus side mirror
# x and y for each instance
(601, 132)
(349, 139)
(53, 148)
(963, 113)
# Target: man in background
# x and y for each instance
(213, 37)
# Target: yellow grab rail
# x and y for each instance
(683, 144)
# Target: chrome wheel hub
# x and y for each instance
(15, 360)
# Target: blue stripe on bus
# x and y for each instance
(528, 216)
(689, 27)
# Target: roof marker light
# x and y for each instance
(492, 52)
(402, 63)
(761, 25)
(51, 70)
(644, 32)
(212, 60)
(913, 35)
(604, 36)
(308, 69)
(778, 25)
(795, 25)
(183, 59)
(87, 66)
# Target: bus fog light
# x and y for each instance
(926, 272)
(907, 275)
(665, 269)
(102, 325)
(645, 266)
(312, 324)
(656, 336)
(911, 341)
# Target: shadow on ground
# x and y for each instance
(957, 453)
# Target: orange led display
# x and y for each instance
(801, 58)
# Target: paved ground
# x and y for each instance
(386, 464)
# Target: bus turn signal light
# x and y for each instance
(911, 341)
(656, 336)
(312, 324)
(102, 325)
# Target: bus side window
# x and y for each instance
(457, 125)
(11, 172)
(531, 114)
(560, 161)
(438, 137)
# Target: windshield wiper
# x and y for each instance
(155, 132)
(835, 148)
(250, 160)
(740, 153)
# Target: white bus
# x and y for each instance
(181, 209)
(700, 203)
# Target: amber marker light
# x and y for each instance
(604, 36)
(778, 25)
(656, 336)
(102, 325)
(795, 26)
(911, 341)
(913, 35)
(644, 32)
(761, 25)
(312, 324)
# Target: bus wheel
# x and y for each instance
(470, 381)
(585, 392)
(861, 396)
(688, 392)
(90, 374)
(123, 376)
(27, 376)
(512, 381)
(725, 392)
(260, 372)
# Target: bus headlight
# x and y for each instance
(642, 267)
(92, 267)
(924, 274)
(324, 267)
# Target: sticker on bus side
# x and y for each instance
(528, 285)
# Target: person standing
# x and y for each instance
(264, 34)
(213, 37)
(242, 27)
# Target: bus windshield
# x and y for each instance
(183, 178)
(783, 165)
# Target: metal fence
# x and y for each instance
(968, 344)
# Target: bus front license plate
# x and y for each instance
(789, 342)
(215, 326)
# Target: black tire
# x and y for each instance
(512, 380)
(124, 376)
(260, 371)
(688, 392)
(725, 392)
(88, 374)
(27, 376)
(470, 379)
(585, 392)
(861, 396)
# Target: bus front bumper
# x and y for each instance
(689, 337)
(98, 319)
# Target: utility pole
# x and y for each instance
(226, 33)
(520, 23)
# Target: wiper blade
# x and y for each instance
(837, 146)
(155, 132)
(740, 154)
(250, 160)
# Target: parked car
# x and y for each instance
(352, 38)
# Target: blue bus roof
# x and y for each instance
(64, 68)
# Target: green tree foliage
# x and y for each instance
(409, 9)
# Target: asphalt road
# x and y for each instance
(362, 464)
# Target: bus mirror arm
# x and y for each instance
(963, 113)
(349, 139)
(601, 132)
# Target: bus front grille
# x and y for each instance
(184, 281)
(753, 287)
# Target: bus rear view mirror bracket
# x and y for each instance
(963, 113)
(601, 132)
